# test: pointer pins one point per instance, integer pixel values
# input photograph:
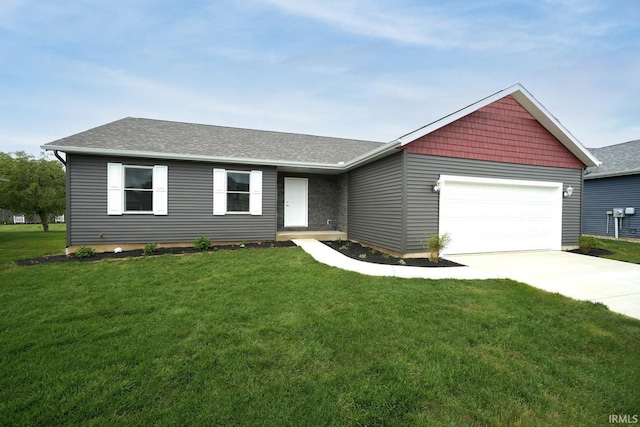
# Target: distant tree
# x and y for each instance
(34, 185)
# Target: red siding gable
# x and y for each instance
(500, 132)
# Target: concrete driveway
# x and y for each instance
(613, 283)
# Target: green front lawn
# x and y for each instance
(271, 337)
(622, 250)
(21, 241)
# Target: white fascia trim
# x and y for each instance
(190, 157)
(529, 103)
(498, 181)
(373, 154)
(553, 125)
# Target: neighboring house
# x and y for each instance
(613, 185)
(492, 175)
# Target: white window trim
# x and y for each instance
(116, 189)
(125, 188)
(227, 192)
(220, 192)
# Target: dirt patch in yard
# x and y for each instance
(362, 253)
(139, 253)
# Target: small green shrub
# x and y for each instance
(587, 243)
(436, 244)
(85, 252)
(402, 262)
(202, 243)
(386, 255)
(150, 249)
(344, 247)
(373, 251)
(362, 256)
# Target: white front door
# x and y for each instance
(295, 202)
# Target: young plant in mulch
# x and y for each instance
(202, 243)
(435, 244)
(587, 243)
(85, 252)
(150, 249)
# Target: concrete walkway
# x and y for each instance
(326, 255)
(613, 283)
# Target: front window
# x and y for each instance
(138, 189)
(238, 191)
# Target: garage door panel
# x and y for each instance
(500, 215)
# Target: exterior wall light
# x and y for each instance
(568, 192)
(436, 188)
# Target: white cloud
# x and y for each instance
(488, 26)
(367, 19)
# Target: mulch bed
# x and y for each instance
(139, 253)
(350, 249)
(593, 252)
(355, 250)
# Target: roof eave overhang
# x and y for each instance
(529, 103)
(612, 174)
(375, 154)
(336, 167)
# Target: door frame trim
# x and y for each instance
(306, 201)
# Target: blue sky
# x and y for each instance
(346, 68)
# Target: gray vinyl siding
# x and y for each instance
(604, 194)
(422, 204)
(376, 203)
(190, 206)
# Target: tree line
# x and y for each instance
(32, 185)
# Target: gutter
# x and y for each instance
(611, 174)
(191, 157)
(372, 155)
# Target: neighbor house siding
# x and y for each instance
(190, 206)
(376, 203)
(604, 194)
(423, 204)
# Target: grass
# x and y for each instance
(270, 337)
(622, 250)
(22, 241)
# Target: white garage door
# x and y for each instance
(497, 215)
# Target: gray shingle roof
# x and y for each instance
(136, 135)
(619, 159)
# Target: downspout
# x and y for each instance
(55, 153)
(68, 200)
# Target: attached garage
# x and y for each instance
(495, 215)
(492, 175)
